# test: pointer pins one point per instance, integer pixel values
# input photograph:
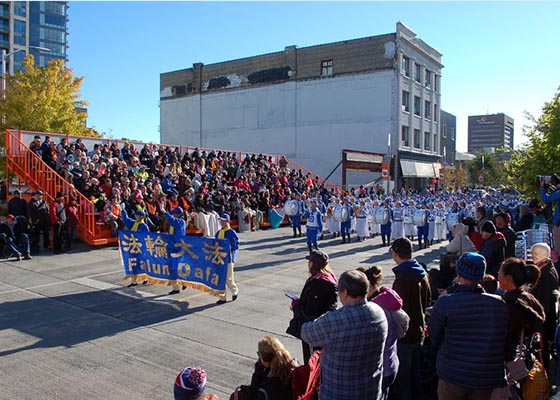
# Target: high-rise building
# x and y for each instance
(26, 26)
(378, 94)
(490, 132)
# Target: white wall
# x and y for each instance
(349, 112)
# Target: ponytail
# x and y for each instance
(271, 350)
(521, 273)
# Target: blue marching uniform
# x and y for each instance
(423, 232)
(296, 219)
(313, 227)
(345, 225)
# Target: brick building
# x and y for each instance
(379, 94)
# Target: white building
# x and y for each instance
(379, 94)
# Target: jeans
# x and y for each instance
(408, 385)
(23, 243)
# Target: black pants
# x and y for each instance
(58, 237)
(37, 230)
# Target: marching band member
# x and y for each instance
(408, 220)
(296, 219)
(439, 233)
(314, 226)
(431, 223)
(397, 228)
(423, 230)
(345, 225)
(361, 222)
(323, 210)
(374, 227)
(226, 233)
(333, 225)
(386, 228)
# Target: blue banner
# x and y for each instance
(192, 261)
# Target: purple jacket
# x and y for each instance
(397, 322)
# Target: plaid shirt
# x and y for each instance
(352, 338)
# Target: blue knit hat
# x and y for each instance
(471, 266)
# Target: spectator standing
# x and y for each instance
(467, 368)
(411, 284)
(319, 295)
(57, 214)
(493, 247)
(38, 212)
(17, 206)
(71, 220)
(503, 226)
(352, 340)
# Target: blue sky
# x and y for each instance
(498, 56)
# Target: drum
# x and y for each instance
(452, 219)
(341, 213)
(370, 215)
(381, 216)
(420, 217)
(291, 207)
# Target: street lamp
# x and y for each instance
(4, 66)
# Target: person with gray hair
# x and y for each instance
(546, 292)
(352, 337)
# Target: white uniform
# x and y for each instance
(408, 221)
(362, 230)
(439, 233)
(397, 227)
(374, 228)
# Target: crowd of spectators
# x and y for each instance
(156, 177)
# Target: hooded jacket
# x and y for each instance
(461, 243)
(411, 284)
(493, 250)
(397, 323)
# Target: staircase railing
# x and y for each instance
(29, 167)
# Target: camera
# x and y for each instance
(550, 182)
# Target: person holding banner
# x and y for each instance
(226, 233)
(177, 228)
(137, 224)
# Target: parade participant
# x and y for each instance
(38, 212)
(352, 340)
(323, 210)
(296, 218)
(423, 230)
(386, 228)
(57, 214)
(137, 224)
(13, 233)
(439, 230)
(361, 222)
(319, 295)
(190, 384)
(177, 228)
(467, 368)
(345, 225)
(226, 233)
(332, 224)
(431, 223)
(408, 220)
(314, 225)
(397, 228)
(412, 285)
(374, 227)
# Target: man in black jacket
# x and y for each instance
(40, 220)
(17, 206)
(504, 227)
(13, 233)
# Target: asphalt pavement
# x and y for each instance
(71, 329)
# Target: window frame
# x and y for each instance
(327, 67)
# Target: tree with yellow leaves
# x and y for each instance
(44, 99)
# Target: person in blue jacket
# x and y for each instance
(137, 224)
(177, 228)
(314, 225)
(551, 198)
(227, 233)
(469, 327)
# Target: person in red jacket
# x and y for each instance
(71, 221)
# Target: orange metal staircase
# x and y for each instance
(31, 169)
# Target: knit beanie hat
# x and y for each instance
(471, 266)
(489, 227)
(190, 383)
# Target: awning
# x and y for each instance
(437, 167)
(417, 169)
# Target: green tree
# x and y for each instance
(44, 99)
(493, 170)
(541, 156)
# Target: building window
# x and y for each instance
(444, 133)
(417, 72)
(20, 8)
(436, 82)
(435, 142)
(405, 136)
(405, 68)
(19, 32)
(427, 109)
(417, 106)
(417, 138)
(428, 78)
(452, 132)
(435, 113)
(405, 101)
(326, 68)
(427, 145)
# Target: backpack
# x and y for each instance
(305, 379)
